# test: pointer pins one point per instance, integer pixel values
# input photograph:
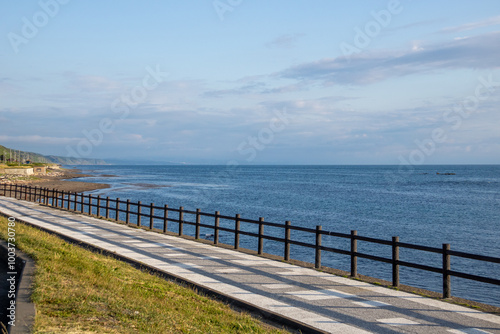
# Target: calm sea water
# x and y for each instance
(414, 203)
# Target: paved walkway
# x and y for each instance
(323, 302)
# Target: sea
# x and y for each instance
(425, 205)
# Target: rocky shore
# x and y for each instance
(56, 179)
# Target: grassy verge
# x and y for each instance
(77, 291)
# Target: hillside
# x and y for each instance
(5, 154)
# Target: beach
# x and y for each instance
(61, 180)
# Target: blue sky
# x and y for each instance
(253, 82)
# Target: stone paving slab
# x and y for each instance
(321, 302)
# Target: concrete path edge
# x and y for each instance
(25, 308)
(231, 301)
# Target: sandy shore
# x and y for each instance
(59, 180)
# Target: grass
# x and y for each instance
(78, 291)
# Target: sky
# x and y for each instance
(253, 82)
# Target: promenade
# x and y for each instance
(312, 301)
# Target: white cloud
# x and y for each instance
(492, 21)
(468, 53)
(286, 41)
(29, 139)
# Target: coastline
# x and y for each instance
(61, 180)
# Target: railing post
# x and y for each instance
(287, 241)
(317, 262)
(107, 207)
(117, 209)
(237, 231)
(216, 228)
(181, 220)
(165, 218)
(395, 261)
(90, 204)
(446, 273)
(139, 214)
(151, 215)
(261, 234)
(69, 201)
(82, 203)
(98, 206)
(127, 216)
(197, 227)
(354, 250)
(75, 206)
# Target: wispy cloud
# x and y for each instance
(423, 23)
(38, 139)
(492, 21)
(92, 83)
(471, 52)
(287, 41)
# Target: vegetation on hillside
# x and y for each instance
(7, 154)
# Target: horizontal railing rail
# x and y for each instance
(146, 215)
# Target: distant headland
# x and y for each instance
(11, 155)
